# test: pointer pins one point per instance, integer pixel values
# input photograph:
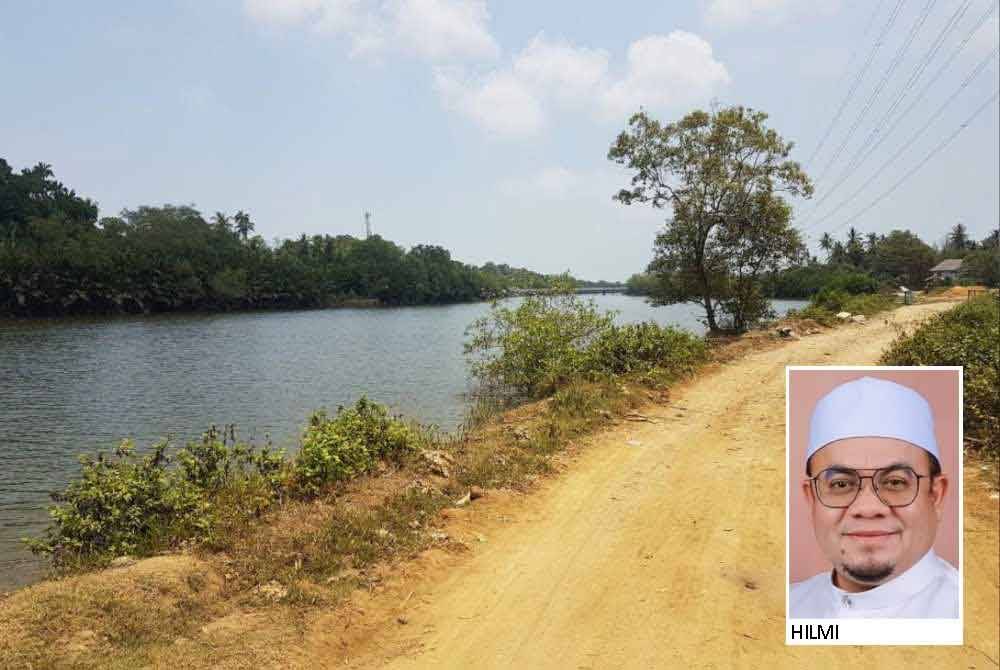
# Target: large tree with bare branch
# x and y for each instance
(722, 174)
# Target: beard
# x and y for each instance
(869, 573)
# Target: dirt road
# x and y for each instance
(669, 553)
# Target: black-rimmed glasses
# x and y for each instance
(895, 486)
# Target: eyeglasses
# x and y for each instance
(896, 486)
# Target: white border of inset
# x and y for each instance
(881, 631)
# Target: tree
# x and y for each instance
(855, 248)
(982, 266)
(826, 244)
(871, 241)
(221, 221)
(903, 256)
(721, 174)
(244, 226)
(958, 238)
(991, 241)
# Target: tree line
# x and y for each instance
(729, 243)
(58, 258)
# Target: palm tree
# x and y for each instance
(244, 226)
(826, 244)
(838, 253)
(221, 221)
(855, 252)
(853, 236)
(872, 242)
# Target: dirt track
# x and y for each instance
(667, 554)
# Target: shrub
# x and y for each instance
(548, 341)
(854, 283)
(966, 335)
(121, 505)
(349, 444)
(131, 504)
(868, 304)
(836, 300)
(641, 347)
(533, 348)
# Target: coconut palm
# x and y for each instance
(244, 226)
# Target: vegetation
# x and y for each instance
(211, 492)
(722, 174)
(128, 504)
(966, 335)
(548, 340)
(58, 258)
(349, 445)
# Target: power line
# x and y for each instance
(897, 59)
(906, 145)
(860, 75)
(909, 173)
(866, 148)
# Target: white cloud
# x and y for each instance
(436, 30)
(442, 29)
(500, 103)
(739, 13)
(663, 73)
(568, 73)
(666, 72)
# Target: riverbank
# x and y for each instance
(81, 385)
(256, 603)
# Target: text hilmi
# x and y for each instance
(815, 632)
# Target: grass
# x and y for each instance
(825, 305)
(966, 335)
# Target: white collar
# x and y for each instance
(896, 590)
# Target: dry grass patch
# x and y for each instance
(94, 619)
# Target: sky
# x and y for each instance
(484, 127)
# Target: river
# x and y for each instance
(78, 385)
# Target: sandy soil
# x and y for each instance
(662, 545)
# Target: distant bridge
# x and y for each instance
(598, 290)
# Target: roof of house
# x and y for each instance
(950, 265)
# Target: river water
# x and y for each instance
(75, 386)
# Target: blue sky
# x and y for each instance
(484, 126)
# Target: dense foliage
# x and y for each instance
(57, 258)
(548, 340)
(967, 335)
(804, 281)
(723, 175)
(867, 263)
(130, 504)
(349, 444)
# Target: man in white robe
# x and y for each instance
(875, 492)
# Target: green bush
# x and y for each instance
(855, 283)
(868, 304)
(547, 341)
(966, 335)
(135, 505)
(131, 504)
(641, 347)
(349, 444)
(121, 505)
(830, 299)
(807, 280)
(533, 348)
(837, 300)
